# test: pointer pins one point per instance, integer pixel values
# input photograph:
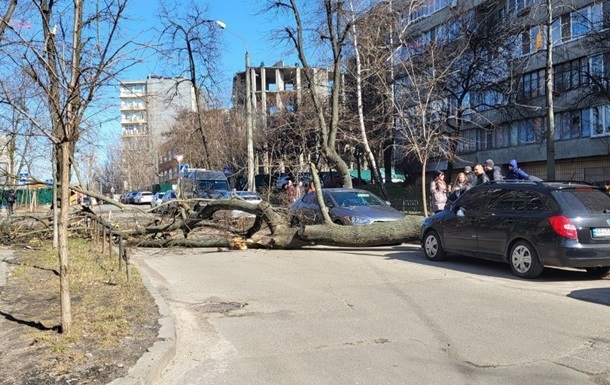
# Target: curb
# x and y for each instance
(152, 363)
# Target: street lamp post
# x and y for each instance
(249, 124)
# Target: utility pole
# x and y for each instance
(249, 103)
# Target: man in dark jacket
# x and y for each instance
(514, 172)
(481, 175)
(493, 172)
(11, 197)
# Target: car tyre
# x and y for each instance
(433, 247)
(599, 272)
(523, 260)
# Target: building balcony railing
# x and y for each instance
(133, 107)
(133, 120)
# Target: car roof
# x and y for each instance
(344, 189)
(546, 185)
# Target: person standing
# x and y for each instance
(480, 174)
(311, 187)
(291, 191)
(438, 189)
(493, 172)
(11, 198)
(514, 172)
(459, 186)
(471, 179)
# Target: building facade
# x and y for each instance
(492, 100)
(149, 108)
(275, 89)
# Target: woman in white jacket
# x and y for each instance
(438, 189)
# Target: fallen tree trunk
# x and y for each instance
(269, 228)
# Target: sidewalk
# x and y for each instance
(152, 363)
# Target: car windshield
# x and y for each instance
(356, 198)
(213, 185)
(585, 200)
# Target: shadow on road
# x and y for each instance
(596, 295)
(413, 254)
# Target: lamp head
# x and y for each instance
(220, 24)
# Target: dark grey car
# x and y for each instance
(526, 224)
(345, 207)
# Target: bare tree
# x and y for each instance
(71, 54)
(334, 29)
(192, 38)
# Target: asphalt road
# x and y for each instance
(376, 316)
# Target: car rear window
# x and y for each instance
(584, 200)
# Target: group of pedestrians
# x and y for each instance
(470, 177)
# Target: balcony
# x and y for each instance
(133, 106)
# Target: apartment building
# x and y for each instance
(496, 98)
(274, 89)
(149, 107)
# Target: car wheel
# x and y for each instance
(523, 260)
(433, 247)
(598, 272)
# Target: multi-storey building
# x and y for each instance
(500, 112)
(149, 107)
(275, 89)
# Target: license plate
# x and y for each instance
(601, 232)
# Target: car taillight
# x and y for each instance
(564, 227)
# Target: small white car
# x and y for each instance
(157, 199)
(143, 197)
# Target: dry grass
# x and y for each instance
(108, 312)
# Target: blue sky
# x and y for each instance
(243, 18)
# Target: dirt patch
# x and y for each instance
(114, 320)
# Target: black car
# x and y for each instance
(527, 224)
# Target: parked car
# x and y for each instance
(131, 197)
(157, 199)
(168, 196)
(528, 225)
(143, 197)
(345, 207)
(250, 197)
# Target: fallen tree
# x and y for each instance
(195, 223)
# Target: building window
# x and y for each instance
(427, 8)
(519, 5)
(527, 131)
(596, 66)
(502, 136)
(532, 41)
(568, 125)
(578, 23)
(570, 75)
(486, 141)
(468, 141)
(600, 120)
(532, 84)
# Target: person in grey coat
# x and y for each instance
(494, 173)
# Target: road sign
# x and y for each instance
(23, 177)
(49, 182)
(183, 169)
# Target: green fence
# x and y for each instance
(43, 196)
